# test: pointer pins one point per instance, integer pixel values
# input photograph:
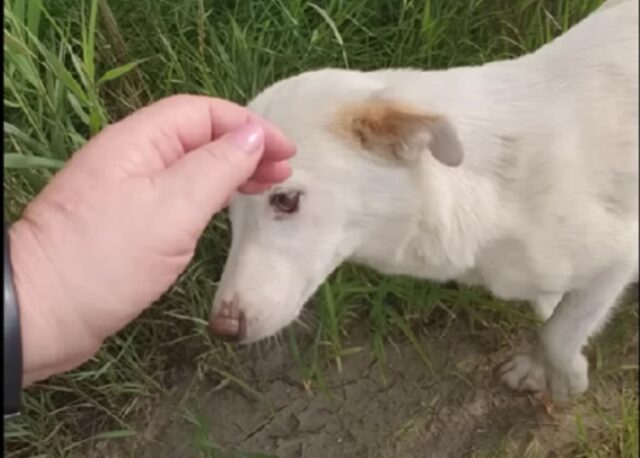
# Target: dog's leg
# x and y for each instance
(545, 305)
(558, 364)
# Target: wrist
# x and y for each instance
(46, 311)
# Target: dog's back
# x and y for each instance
(612, 3)
(577, 197)
(591, 79)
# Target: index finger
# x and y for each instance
(181, 123)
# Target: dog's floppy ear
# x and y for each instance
(398, 131)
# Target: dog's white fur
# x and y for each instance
(544, 206)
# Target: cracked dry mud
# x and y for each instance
(456, 410)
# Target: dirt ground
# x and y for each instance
(456, 409)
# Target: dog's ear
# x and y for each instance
(397, 131)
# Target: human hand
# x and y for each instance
(116, 226)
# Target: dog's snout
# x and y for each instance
(228, 322)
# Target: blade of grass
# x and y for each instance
(21, 161)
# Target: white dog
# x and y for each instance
(519, 175)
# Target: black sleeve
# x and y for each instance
(12, 376)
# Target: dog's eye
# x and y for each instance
(285, 202)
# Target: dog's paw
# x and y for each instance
(523, 373)
(563, 381)
(568, 380)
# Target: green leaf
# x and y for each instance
(22, 161)
(77, 108)
(85, 81)
(18, 10)
(34, 12)
(35, 147)
(14, 44)
(88, 46)
(11, 104)
(117, 434)
(95, 121)
(24, 67)
(118, 71)
(334, 28)
(404, 327)
(64, 75)
(330, 22)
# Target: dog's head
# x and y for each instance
(352, 179)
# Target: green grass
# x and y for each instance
(69, 71)
(205, 445)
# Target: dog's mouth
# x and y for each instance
(304, 321)
(260, 317)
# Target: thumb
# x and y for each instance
(204, 179)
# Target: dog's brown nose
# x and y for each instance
(228, 323)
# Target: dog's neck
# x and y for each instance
(434, 225)
(439, 218)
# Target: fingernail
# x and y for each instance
(249, 138)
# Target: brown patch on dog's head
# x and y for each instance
(399, 132)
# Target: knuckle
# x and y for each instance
(223, 155)
(179, 99)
